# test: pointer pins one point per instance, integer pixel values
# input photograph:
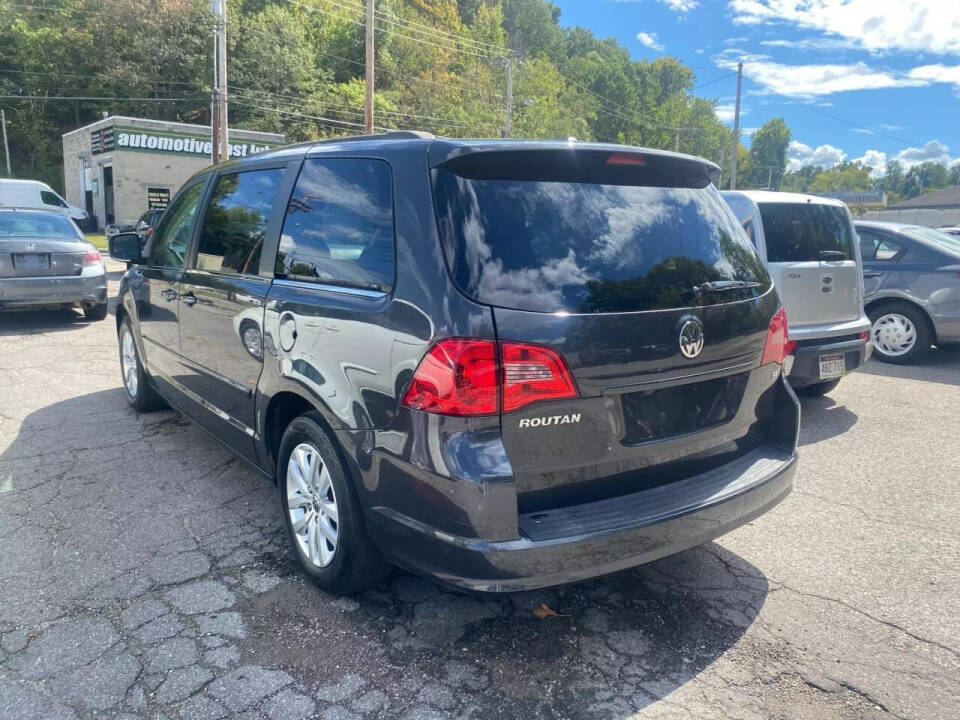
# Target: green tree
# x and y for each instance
(849, 176)
(768, 155)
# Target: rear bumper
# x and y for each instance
(804, 367)
(75, 290)
(574, 543)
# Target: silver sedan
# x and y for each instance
(912, 282)
(46, 262)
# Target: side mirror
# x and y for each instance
(125, 246)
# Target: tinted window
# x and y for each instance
(339, 225)
(50, 198)
(232, 233)
(590, 247)
(877, 248)
(942, 240)
(170, 240)
(798, 232)
(28, 224)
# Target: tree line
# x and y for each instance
(296, 66)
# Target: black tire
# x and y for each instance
(356, 563)
(96, 312)
(924, 336)
(818, 389)
(145, 398)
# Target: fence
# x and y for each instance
(928, 217)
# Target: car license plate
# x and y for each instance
(31, 261)
(832, 366)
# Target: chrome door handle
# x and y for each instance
(169, 295)
(190, 299)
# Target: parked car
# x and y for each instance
(45, 261)
(35, 194)
(147, 222)
(500, 364)
(912, 278)
(808, 245)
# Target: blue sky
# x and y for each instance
(891, 67)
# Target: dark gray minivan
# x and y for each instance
(500, 364)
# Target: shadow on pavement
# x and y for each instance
(822, 418)
(25, 322)
(941, 365)
(136, 488)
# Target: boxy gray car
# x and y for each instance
(499, 364)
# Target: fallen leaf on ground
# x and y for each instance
(545, 611)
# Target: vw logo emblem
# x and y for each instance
(691, 338)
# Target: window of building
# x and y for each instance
(231, 237)
(339, 225)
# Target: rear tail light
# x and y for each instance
(532, 373)
(457, 377)
(865, 335)
(461, 376)
(777, 345)
(92, 257)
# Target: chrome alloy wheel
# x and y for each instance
(128, 362)
(894, 334)
(312, 505)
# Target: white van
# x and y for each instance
(809, 247)
(35, 194)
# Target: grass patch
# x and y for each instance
(99, 240)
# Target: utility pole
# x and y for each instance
(736, 130)
(676, 142)
(770, 178)
(508, 114)
(368, 100)
(218, 100)
(722, 153)
(6, 147)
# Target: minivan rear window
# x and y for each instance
(590, 247)
(798, 232)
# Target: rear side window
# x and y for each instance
(232, 233)
(339, 225)
(800, 232)
(877, 248)
(590, 247)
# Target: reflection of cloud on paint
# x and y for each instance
(618, 246)
(516, 288)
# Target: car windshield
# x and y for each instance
(592, 247)
(45, 225)
(941, 239)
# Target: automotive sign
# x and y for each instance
(178, 143)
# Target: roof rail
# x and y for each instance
(389, 135)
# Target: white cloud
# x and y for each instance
(725, 113)
(824, 43)
(824, 156)
(680, 6)
(881, 25)
(807, 81)
(937, 73)
(649, 40)
(875, 161)
(933, 150)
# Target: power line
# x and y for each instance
(91, 97)
(711, 82)
(98, 76)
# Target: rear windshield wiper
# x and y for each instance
(723, 285)
(829, 255)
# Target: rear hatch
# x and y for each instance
(812, 257)
(39, 244)
(612, 258)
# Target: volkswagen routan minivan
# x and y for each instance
(499, 364)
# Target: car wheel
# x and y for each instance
(818, 389)
(321, 512)
(139, 392)
(95, 312)
(900, 333)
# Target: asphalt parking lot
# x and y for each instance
(143, 574)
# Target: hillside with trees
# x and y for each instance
(297, 67)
